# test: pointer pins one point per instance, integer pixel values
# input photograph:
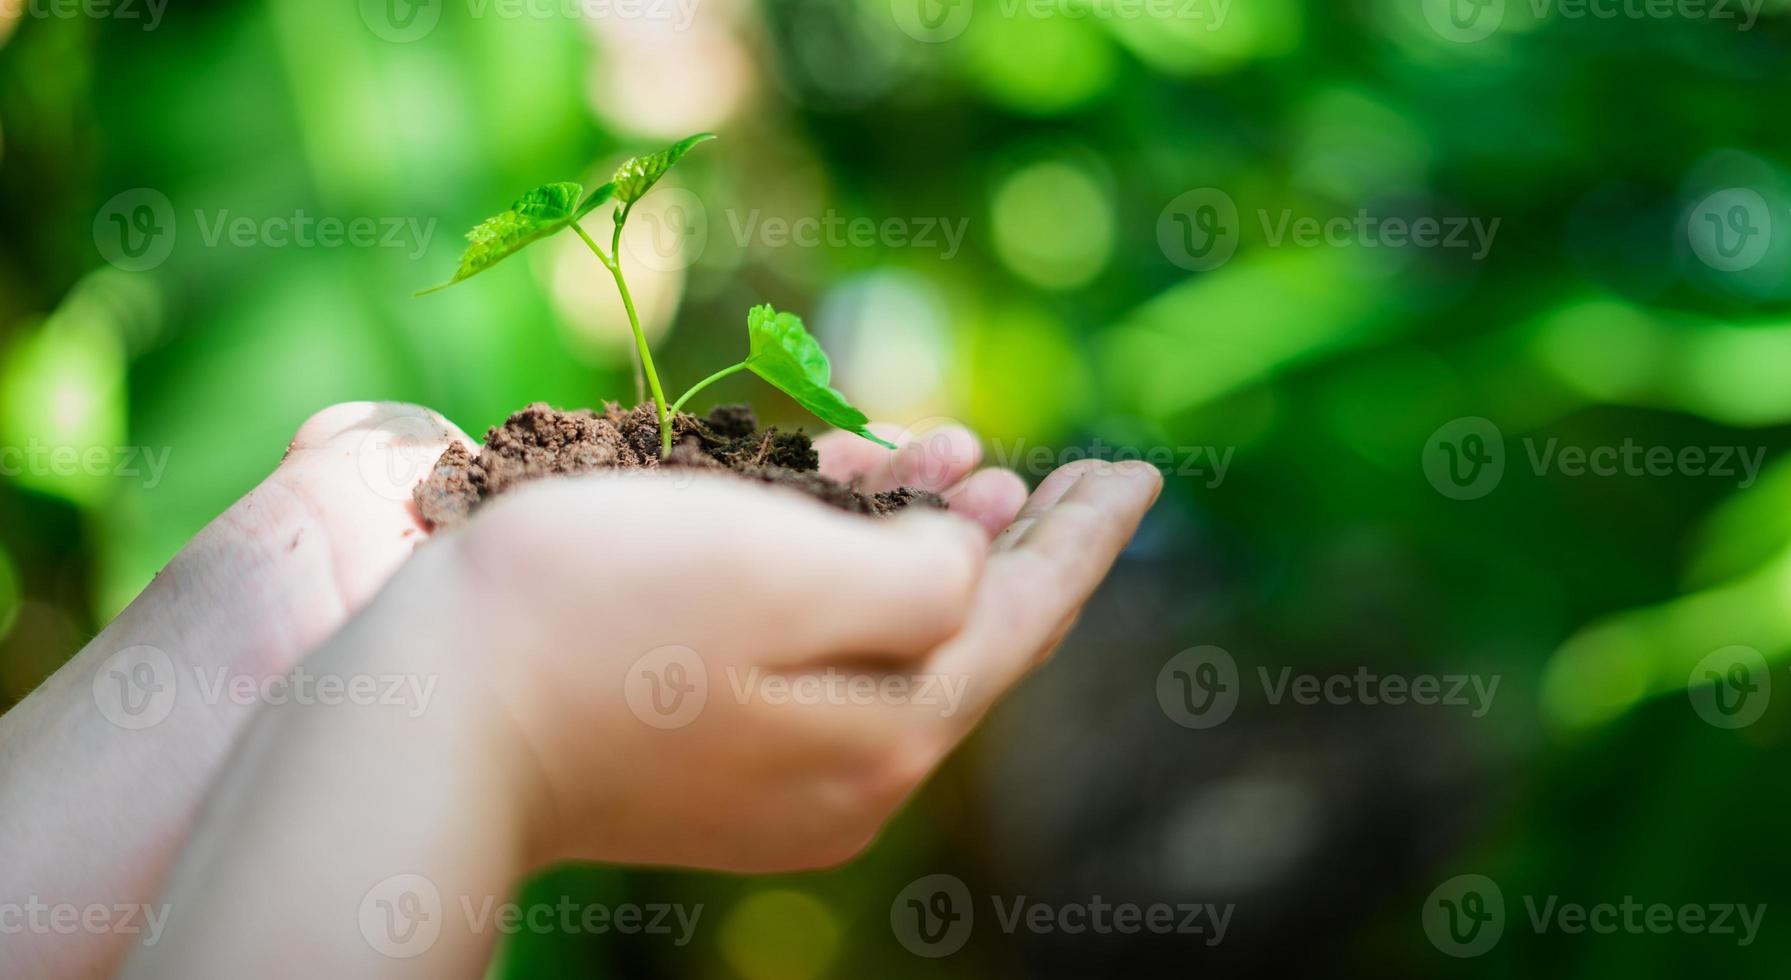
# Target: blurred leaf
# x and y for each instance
(784, 353)
(536, 215)
(638, 175)
(596, 200)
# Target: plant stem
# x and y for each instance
(706, 382)
(640, 338)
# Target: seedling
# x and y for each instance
(779, 348)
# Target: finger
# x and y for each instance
(1050, 491)
(1036, 581)
(932, 460)
(351, 470)
(991, 498)
(764, 571)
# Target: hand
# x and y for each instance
(536, 617)
(93, 814)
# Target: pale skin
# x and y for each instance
(265, 833)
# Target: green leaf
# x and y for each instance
(536, 215)
(596, 200)
(784, 353)
(636, 177)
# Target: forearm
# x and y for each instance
(103, 767)
(350, 839)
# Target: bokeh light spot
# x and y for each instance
(1053, 224)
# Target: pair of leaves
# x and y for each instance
(551, 208)
(784, 353)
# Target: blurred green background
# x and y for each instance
(1636, 288)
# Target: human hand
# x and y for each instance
(699, 710)
(95, 811)
(536, 615)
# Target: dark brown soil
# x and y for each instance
(541, 441)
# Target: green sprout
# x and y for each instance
(780, 349)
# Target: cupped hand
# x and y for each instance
(666, 668)
(95, 806)
(707, 674)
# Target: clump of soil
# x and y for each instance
(541, 441)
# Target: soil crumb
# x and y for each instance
(541, 441)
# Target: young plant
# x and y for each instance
(779, 349)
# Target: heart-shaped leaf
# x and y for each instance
(637, 176)
(784, 353)
(536, 215)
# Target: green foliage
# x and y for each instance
(596, 200)
(637, 176)
(784, 353)
(536, 215)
